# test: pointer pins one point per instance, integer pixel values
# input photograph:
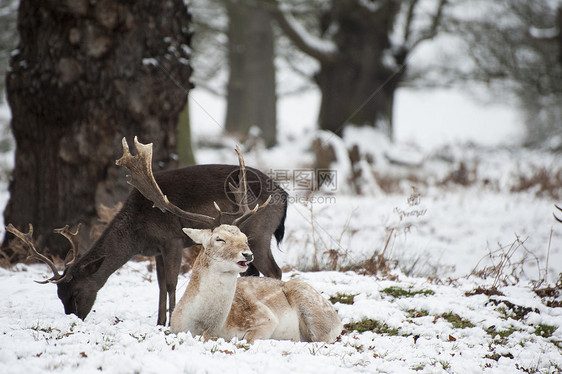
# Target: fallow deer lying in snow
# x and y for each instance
(218, 303)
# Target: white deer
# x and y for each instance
(219, 303)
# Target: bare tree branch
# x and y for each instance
(433, 29)
(314, 46)
(409, 19)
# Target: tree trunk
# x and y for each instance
(185, 150)
(365, 99)
(85, 75)
(251, 84)
(357, 84)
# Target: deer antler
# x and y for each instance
(556, 218)
(74, 240)
(143, 180)
(241, 194)
(28, 240)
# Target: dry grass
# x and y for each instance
(544, 182)
(14, 253)
(488, 291)
(18, 252)
(550, 295)
(462, 175)
(504, 268)
(379, 263)
(328, 251)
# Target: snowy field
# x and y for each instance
(420, 313)
(415, 325)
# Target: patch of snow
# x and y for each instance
(544, 33)
(150, 61)
(371, 6)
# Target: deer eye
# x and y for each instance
(217, 239)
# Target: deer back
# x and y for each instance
(196, 188)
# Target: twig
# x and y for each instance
(381, 258)
(548, 255)
(312, 226)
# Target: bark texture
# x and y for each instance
(87, 73)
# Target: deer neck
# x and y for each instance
(116, 245)
(208, 297)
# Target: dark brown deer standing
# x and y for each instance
(140, 229)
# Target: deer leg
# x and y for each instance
(251, 272)
(161, 276)
(172, 264)
(318, 320)
(263, 261)
(265, 323)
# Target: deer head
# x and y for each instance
(225, 245)
(79, 303)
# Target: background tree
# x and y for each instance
(238, 35)
(210, 25)
(362, 49)
(184, 147)
(519, 59)
(251, 92)
(85, 75)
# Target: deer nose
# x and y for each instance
(248, 256)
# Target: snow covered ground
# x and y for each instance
(421, 322)
(415, 326)
(419, 317)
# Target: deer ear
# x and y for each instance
(198, 236)
(92, 266)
